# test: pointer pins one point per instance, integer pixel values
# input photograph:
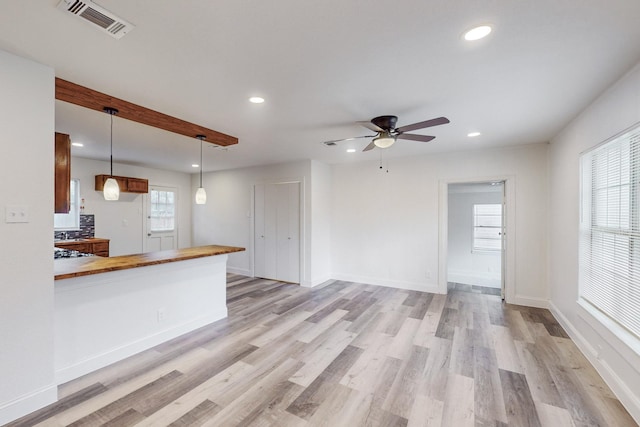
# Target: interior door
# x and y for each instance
(161, 222)
(277, 231)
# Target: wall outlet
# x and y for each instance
(428, 274)
(161, 315)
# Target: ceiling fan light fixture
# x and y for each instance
(385, 140)
(477, 33)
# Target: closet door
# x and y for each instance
(277, 231)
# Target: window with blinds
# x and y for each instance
(487, 227)
(610, 229)
(163, 210)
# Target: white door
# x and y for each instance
(277, 231)
(161, 222)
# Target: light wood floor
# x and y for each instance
(348, 354)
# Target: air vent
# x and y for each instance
(97, 16)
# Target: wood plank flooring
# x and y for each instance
(348, 354)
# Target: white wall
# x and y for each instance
(122, 221)
(464, 265)
(227, 217)
(320, 222)
(615, 110)
(384, 227)
(26, 260)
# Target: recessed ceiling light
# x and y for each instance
(473, 134)
(256, 100)
(351, 150)
(195, 166)
(477, 33)
(77, 144)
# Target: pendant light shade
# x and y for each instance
(201, 195)
(111, 190)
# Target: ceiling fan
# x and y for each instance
(387, 132)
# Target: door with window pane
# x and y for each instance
(161, 219)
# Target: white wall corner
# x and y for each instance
(629, 399)
(241, 271)
(316, 281)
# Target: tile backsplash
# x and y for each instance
(87, 229)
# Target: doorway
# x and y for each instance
(160, 218)
(277, 231)
(476, 236)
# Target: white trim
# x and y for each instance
(529, 301)
(627, 397)
(398, 284)
(316, 281)
(509, 266)
(602, 324)
(241, 271)
(146, 212)
(96, 362)
(301, 223)
(27, 403)
(468, 277)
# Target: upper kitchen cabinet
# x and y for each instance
(126, 184)
(62, 170)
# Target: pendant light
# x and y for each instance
(111, 190)
(201, 195)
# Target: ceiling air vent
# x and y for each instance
(97, 16)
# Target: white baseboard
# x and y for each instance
(629, 399)
(528, 301)
(398, 284)
(23, 405)
(116, 354)
(240, 271)
(474, 278)
(315, 282)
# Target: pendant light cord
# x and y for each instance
(201, 138)
(111, 156)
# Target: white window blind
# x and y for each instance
(487, 227)
(610, 230)
(163, 210)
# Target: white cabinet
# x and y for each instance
(277, 231)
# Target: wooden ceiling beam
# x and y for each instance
(89, 98)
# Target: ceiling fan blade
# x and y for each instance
(371, 126)
(413, 137)
(371, 146)
(333, 141)
(425, 124)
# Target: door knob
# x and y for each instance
(148, 234)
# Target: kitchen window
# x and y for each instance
(71, 220)
(487, 227)
(163, 210)
(609, 262)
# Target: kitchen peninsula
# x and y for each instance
(107, 309)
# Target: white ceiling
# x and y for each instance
(324, 65)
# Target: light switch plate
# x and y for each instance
(16, 214)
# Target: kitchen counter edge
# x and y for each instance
(76, 267)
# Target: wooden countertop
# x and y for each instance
(68, 242)
(76, 267)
